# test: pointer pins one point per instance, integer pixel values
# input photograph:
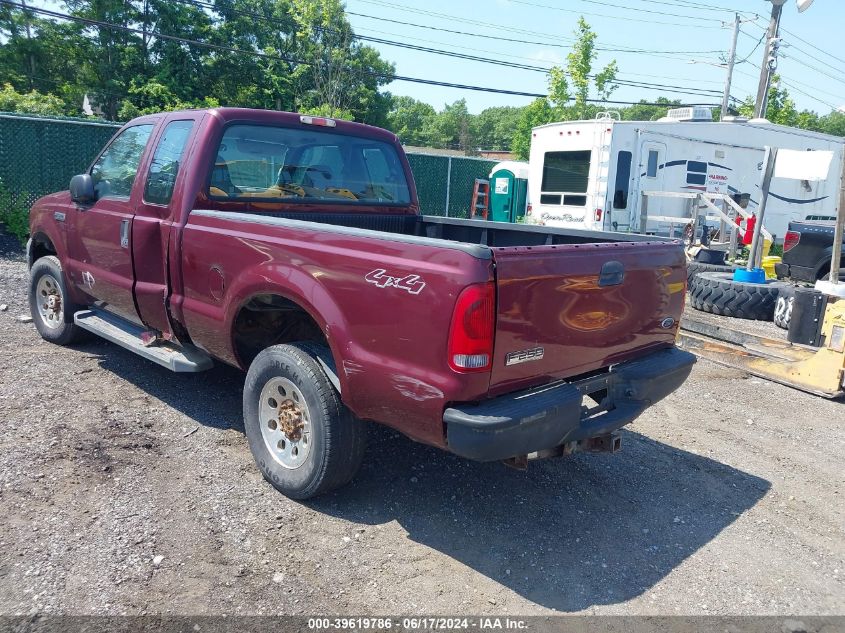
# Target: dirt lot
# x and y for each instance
(128, 489)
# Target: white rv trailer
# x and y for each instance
(591, 174)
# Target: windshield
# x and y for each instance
(272, 163)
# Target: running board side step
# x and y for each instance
(128, 335)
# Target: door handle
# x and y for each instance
(124, 234)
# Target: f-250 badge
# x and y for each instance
(409, 283)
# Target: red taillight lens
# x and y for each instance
(598, 215)
(471, 333)
(790, 240)
(528, 212)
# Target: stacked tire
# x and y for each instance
(718, 293)
(694, 268)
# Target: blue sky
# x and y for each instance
(674, 33)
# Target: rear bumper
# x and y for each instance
(795, 273)
(546, 417)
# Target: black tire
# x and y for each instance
(693, 268)
(59, 327)
(709, 256)
(718, 293)
(336, 439)
(783, 307)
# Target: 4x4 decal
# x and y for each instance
(409, 283)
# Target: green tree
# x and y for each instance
(644, 111)
(32, 102)
(579, 68)
(450, 128)
(113, 58)
(780, 107)
(152, 96)
(538, 112)
(493, 127)
(408, 118)
(833, 123)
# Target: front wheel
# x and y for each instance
(304, 440)
(51, 309)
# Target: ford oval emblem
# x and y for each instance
(667, 323)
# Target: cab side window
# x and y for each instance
(165, 164)
(115, 169)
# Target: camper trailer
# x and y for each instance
(592, 174)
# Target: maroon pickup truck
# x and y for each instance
(292, 246)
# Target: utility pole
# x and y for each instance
(769, 59)
(731, 61)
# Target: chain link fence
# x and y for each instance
(39, 155)
(444, 183)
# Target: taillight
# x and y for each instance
(470, 344)
(598, 215)
(790, 240)
(528, 211)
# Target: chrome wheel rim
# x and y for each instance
(285, 422)
(48, 296)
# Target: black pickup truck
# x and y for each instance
(807, 251)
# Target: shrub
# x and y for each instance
(14, 213)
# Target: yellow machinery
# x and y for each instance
(819, 370)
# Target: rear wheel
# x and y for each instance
(51, 309)
(304, 440)
(718, 293)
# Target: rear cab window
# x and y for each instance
(272, 163)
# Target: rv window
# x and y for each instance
(623, 180)
(547, 199)
(566, 172)
(651, 169)
(575, 201)
(696, 172)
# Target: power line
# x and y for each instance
(519, 41)
(813, 57)
(622, 17)
(690, 90)
(682, 4)
(811, 45)
(218, 47)
(789, 82)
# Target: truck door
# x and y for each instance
(99, 237)
(154, 217)
(652, 173)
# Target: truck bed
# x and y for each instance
(480, 232)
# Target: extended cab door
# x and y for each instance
(155, 214)
(99, 236)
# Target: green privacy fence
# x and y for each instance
(39, 155)
(444, 183)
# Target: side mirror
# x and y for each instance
(82, 189)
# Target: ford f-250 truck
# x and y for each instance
(292, 246)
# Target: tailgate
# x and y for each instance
(569, 309)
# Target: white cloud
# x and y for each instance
(547, 56)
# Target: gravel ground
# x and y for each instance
(128, 489)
